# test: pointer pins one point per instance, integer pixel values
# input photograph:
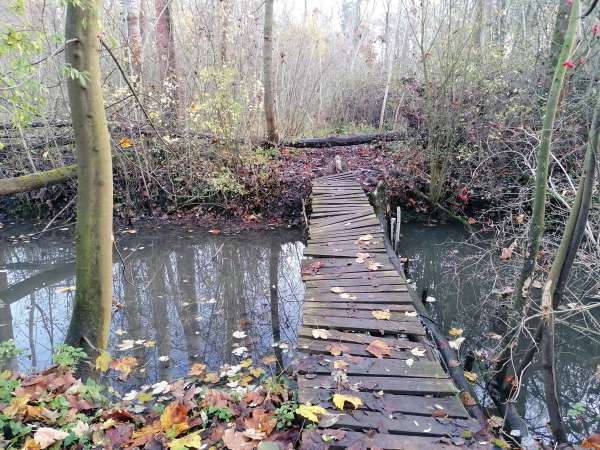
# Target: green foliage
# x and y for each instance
(71, 72)
(217, 110)
(7, 386)
(225, 183)
(22, 93)
(285, 414)
(67, 356)
(8, 350)
(222, 414)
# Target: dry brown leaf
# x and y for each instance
(382, 314)
(337, 349)
(379, 349)
(319, 333)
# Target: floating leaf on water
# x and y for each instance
(126, 344)
(239, 351)
(456, 343)
(65, 289)
(471, 376)
(163, 358)
(239, 334)
(430, 299)
(455, 331)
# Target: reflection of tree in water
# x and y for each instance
(187, 292)
(465, 278)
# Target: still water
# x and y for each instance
(180, 293)
(465, 277)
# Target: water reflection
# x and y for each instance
(465, 278)
(183, 292)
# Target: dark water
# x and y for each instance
(187, 291)
(464, 276)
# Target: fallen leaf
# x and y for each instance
(506, 253)
(126, 142)
(311, 412)
(362, 257)
(192, 440)
(592, 442)
(455, 331)
(495, 422)
(103, 361)
(410, 314)
(211, 377)
(197, 370)
(340, 365)
(215, 231)
(381, 314)
(337, 349)
(337, 290)
(124, 365)
(379, 349)
(520, 219)
(312, 268)
(456, 343)
(418, 352)
(372, 265)
(440, 413)
(365, 237)
(126, 344)
(339, 400)
(319, 333)
(471, 221)
(235, 440)
(430, 299)
(65, 289)
(45, 437)
(347, 296)
(174, 419)
(239, 334)
(471, 376)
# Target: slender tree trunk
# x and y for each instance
(556, 44)
(536, 227)
(225, 13)
(165, 41)
(479, 20)
(269, 99)
(90, 323)
(134, 37)
(274, 298)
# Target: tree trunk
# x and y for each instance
(165, 41)
(536, 227)
(225, 13)
(134, 37)
(90, 323)
(556, 44)
(269, 99)
(37, 180)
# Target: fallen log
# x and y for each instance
(341, 141)
(30, 182)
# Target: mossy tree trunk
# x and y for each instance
(90, 323)
(269, 98)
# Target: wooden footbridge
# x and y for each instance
(363, 339)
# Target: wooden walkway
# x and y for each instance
(363, 338)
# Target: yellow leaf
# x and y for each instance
(103, 361)
(257, 372)
(381, 315)
(269, 359)
(339, 400)
(310, 412)
(246, 363)
(192, 440)
(149, 344)
(65, 289)
(126, 142)
(455, 331)
(471, 376)
(211, 377)
(17, 406)
(197, 370)
(124, 365)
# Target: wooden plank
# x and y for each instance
(368, 221)
(352, 313)
(391, 403)
(323, 347)
(367, 275)
(328, 252)
(361, 338)
(338, 219)
(360, 306)
(323, 365)
(347, 282)
(369, 298)
(371, 325)
(310, 439)
(366, 289)
(411, 386)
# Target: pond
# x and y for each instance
(465, 276)
(179, 296)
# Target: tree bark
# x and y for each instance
(340, 141)
(165, 41)
(90, 322)
(37, 180)
(556, 44)
(269, 99)
(134, 37)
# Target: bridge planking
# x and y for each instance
(400, 392)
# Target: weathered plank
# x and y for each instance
(371, 325)
(369, 275)
(390, 403)
(368, 289)
(361, 306)
(369, 298)
(361, 338)
(371, 281)
(411, 386)
(320, 346)
(323, 365)
(352, 313)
